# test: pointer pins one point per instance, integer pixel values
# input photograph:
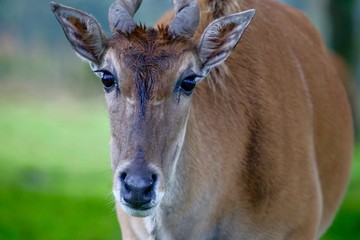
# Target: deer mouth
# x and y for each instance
(139, 210)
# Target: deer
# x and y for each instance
(213, 137)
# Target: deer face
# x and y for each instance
(148, 102)
(149, 77)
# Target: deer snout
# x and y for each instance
(138, 188)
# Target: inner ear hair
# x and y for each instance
(82, 31)
(221, 37)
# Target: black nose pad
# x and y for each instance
(137, 189)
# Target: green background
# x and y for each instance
(55, 175)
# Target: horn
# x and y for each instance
(121, 15)
(186, 19)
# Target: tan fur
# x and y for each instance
(268, 153)
(149, 63)
(259, 149)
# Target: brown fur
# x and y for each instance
(260, 150)
(148, 53)
(286, 145)
(221, 8)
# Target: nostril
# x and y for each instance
(154, 178)
(123, 182)
(150, 187)
(148, 190)
(123, 176)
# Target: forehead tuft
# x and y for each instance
(150, 54)
(151, 42)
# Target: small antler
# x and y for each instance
(121, 15)
(186, 19)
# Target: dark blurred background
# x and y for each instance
(55, 180)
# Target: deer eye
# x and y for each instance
(188, 84)
(107, 79)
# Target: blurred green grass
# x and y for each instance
(55, 172)
(347, 221)
(56, 178)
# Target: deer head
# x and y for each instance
(149, 77)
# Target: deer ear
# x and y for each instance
(221, 37)
(83, 32)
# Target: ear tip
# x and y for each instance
(194, 5)
(247, 15)
(54, 6)
(251, 12)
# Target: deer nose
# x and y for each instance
(137, 189)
